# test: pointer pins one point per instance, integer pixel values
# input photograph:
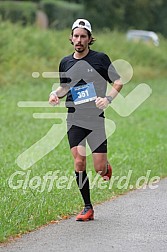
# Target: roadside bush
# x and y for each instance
(17, 11)
(61, 14)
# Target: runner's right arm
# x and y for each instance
(54, 97)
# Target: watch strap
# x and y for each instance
(109, 98)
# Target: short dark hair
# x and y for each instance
(89, 35)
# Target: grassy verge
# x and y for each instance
(137, 146)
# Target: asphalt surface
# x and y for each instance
(136, 221)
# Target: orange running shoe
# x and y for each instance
(108, 175)
(86, 214)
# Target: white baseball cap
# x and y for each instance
(82, 23)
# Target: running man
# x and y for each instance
(83, 80)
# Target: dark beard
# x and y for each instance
(79, 50)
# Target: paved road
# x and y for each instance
(136, 222)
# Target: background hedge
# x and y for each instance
(61, 14)
(17, 11)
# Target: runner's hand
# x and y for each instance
(54, 100)
(101, 103)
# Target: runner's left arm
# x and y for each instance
(103, 102)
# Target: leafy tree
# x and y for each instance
(104, 14)
(125, 14)
(121, 14)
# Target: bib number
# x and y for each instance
(84, 93)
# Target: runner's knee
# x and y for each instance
(80, 164)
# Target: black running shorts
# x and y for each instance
(95, 138)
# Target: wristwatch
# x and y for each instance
(109, 98)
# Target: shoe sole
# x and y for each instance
(88, 219)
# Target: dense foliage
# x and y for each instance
(111, 14)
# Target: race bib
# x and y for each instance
(84, 93)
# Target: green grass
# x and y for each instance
(138, 144)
